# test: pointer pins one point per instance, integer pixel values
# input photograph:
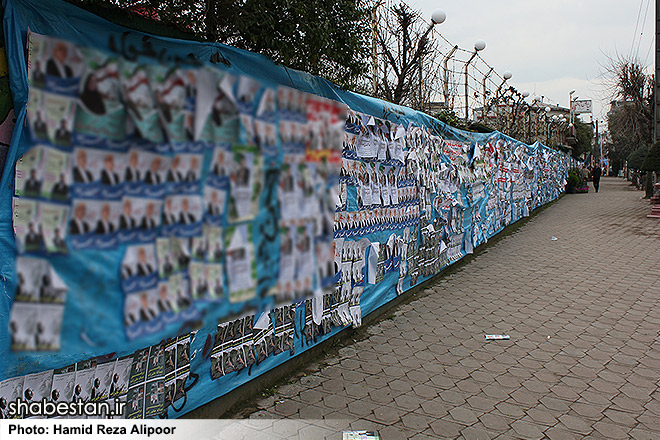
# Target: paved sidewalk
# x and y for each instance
(583, 313)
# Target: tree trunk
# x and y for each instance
(211, 21)
(648, 185)
(650, 180)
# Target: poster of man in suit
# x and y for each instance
(60, 115)
(109, 172)
(54, 226)
(80, 222)
(140, 261)
(87, 165)
(155, 166)
(106, 223)
(182, 212)
(214, 201)
(133, 172)
(27, 222)
(29, 169)
(63, 56)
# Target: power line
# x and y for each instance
(639, 14)
(648, 52)
(648, 2)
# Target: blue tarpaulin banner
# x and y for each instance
(180, 217)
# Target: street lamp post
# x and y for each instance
(479, 45)
(571, 115)
(515, 110)
(528, 123)
(547, 128)
(445, 84)
(437, 17)
(563, 124)
(483, 85)
(538, 100)
(507, 75)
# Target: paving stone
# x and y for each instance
(575, 424)
(425, 391)
(311, 412)
(446, 429)
(650, 421)
(509, 409)
(565, 392)
(588, 410)
(267, 402)
(361, 408)
(418, 376)
(417, 422)
(386, 415)
(595, 397)
(475, 433)
(401, 385)
(443, 381)
(463, 415)
(524, 397)
(642, 434)
(382, 395)
(495, 392)
(481, 403)
(394, 432)
(605, 387)
(527, 430)
(435, 407)
(453, 397)
(542, 416)
(287, 408)
(357, 391)
(620, 418)
(635, 392)
(394, 371)
(482, 376)
(426, 435)
(290, 390)
(627, 404)
(363, 424)
(336, 401)
(611, 430)
(311, 381)
(333, 385)
(557, 433)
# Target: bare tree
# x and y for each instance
(403, 44)
(630, 121)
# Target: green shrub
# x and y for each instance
(652, 161)
(636, 158)
(574, 178)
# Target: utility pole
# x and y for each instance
(656, 108)
(597, 145)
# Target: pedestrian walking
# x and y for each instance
(585, 175)
(595, 176)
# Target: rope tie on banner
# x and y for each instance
(187, 388)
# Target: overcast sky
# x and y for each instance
(551, 46)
